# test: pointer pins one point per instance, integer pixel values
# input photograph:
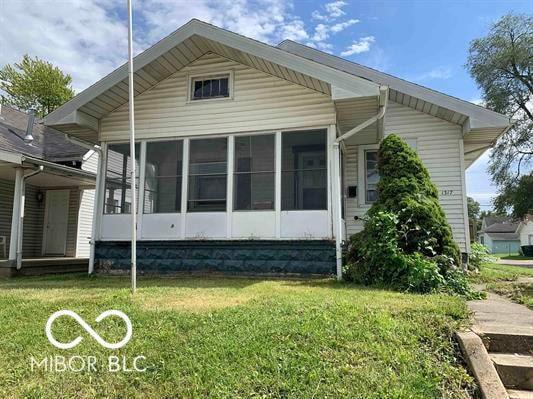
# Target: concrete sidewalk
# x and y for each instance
(516, 262)
(497, 314)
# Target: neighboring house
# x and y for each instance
(499, 234)
(525, 230)
(46, 191)
(254, 158)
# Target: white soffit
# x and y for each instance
(79, 116)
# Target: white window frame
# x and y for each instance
(361, 174)
(203, 76)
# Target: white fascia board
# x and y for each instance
(11, 157)
(359, 86)
(78, 118)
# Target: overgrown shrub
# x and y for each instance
(406, 242)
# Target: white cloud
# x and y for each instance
(360, 46)
(343, 25)
(477, 101)
(335, 8)
(436, 73)
(83, 38)
(88, 38)
(332, 10)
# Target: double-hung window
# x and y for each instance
(371, 176)
(254, 174)
(304, 170)
(207, 175)
(118, 178)
(163, 176)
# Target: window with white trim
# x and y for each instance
(371, 176)
(210, 87)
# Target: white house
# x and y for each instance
(46, 198)
(254, 158)
(500, 235)
(525, 231)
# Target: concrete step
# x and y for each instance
(501, 341)
(518, 394)
(515, 370)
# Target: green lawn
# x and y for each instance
(235, 338)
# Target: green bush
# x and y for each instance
(406, 242)
(405, 188)
(479, 254)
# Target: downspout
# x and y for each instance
(383, 100)
(21, 218)
(96, 206)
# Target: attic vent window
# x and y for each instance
(210, 87)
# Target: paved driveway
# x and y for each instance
(511, 262)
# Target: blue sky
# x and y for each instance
(422, 41)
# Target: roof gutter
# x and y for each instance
(383, 100)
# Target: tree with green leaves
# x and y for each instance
(473, 208)
(502, 65)
(35, 83)
(518, 198)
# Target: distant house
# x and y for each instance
(525, 230)
(500, 235)
(46, 197)
(259, 158)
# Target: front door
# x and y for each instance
(56, 222)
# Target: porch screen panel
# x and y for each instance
(118, 178)
(304, 170)
(207, 175)
(163, 177)
(254, 172)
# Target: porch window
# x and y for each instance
(209, 87)
(304, 170)
(207, 175)
(371, 176)
(254, 172)
(162, 187)
(118, 178)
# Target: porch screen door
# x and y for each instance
(56, 222)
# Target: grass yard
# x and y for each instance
(235, 338)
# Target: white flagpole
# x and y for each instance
(132, 155)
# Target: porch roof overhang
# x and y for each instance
(53, 175)
(80, 116)
(481, 126)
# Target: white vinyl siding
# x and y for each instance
(85, 214)
(438, 143)
(260, 102)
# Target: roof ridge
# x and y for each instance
(385, 73)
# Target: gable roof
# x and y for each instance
(48, 143)
(290, 61)
(500, 224)
(180, 48)
(480, 117)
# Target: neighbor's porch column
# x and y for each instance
(15, 217)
